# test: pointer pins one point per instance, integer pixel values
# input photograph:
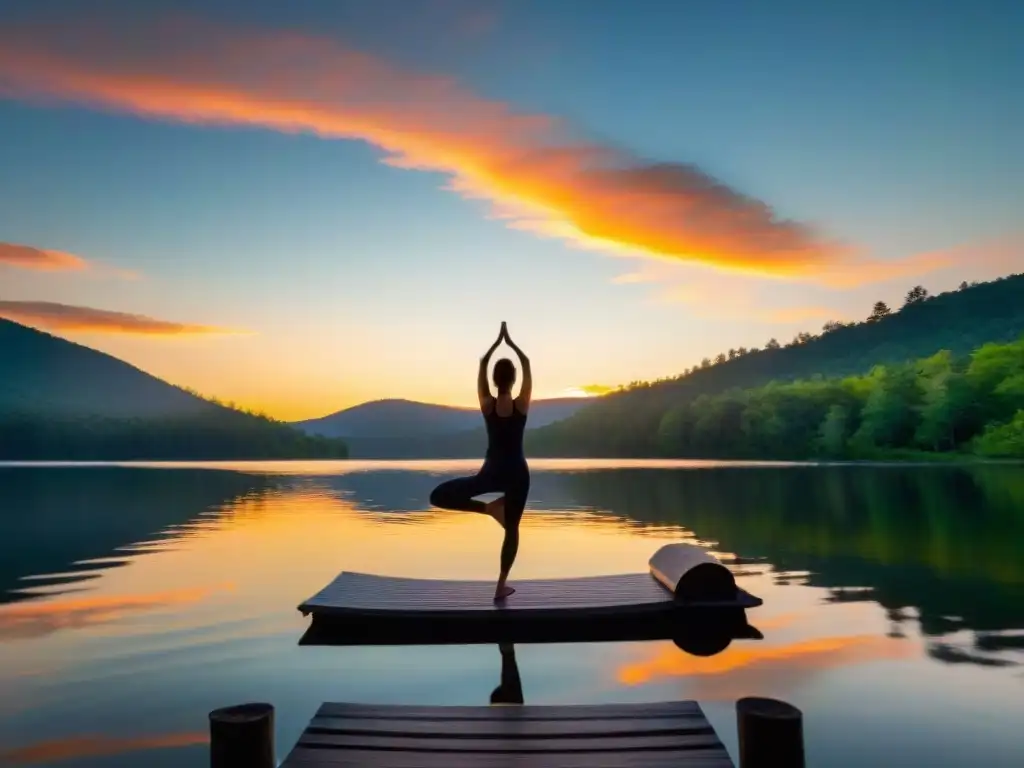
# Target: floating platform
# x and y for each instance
(687, 590)
(675, 734)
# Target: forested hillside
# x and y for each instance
(938, 404)
(61, 401)
(633, 422)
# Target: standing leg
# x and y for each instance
(457, 494)
(515, 503)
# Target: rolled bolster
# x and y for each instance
(692, 574)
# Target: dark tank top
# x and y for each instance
(505, 439)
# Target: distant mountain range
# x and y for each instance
(62, 401)
(406, 429)
(46, 374)
(408, 418)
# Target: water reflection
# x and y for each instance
(25, 620)
(738, 670)
(935, 546)
(60, 526)
(138, 600)
(510, 689)
(89, 748)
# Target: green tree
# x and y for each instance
(997, 373)
(889, 417)
(916, 295)
(879, 312)
(675, 430)
(948, 413)
(717, 431)
(1002, 440)
(834, 431)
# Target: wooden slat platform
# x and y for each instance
(579, 736)
(359, 608)
(370, 595)
(685, 589)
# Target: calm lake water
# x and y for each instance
(136, 599)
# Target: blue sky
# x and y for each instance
(891, 129)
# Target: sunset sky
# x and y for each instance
(302, 206)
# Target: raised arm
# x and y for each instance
(526, 391)
(483, 389)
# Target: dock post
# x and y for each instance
(770, 733)
(242, 735)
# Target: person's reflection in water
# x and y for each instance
(511, 689)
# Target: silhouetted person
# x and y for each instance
(504, 469)
(511, 689)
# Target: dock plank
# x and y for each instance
(513, 742)
(316, 758)
(532, 736)
(543, 712)
(489, 727)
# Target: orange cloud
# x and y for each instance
(66, 317)
(539, 175)
(38, 618)
(28, 257)
(80, 747)
(991, 257)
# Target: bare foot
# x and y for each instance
(502, 593)
(496, 509)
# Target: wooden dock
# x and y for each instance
(684, 585)
(666, 734)
(686, 594)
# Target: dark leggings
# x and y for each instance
(458, 495)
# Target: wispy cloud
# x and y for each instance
(29, 257)
(981, 259)
(82, 747)
(720, 298)
(798, 314)
(67, 317)
(537, 173)
(639, 276)
(49, 260)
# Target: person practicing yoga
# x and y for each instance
(504, 469)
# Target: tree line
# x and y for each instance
(939, 404)
(216, 434)
(879, 311)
